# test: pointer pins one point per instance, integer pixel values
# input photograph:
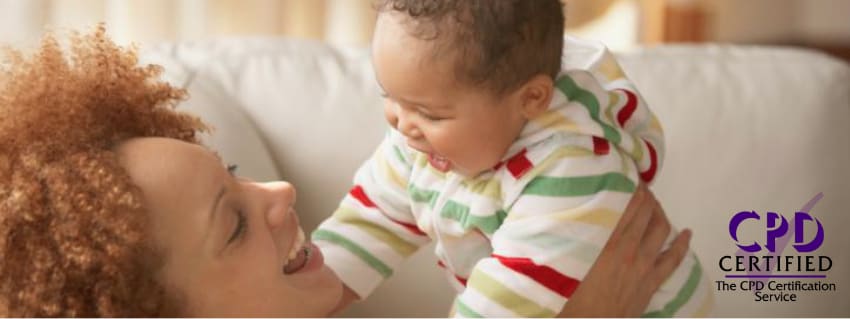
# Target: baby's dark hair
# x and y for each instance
(497, 44)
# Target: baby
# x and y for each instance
(515, 148)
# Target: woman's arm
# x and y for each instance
(632, 266)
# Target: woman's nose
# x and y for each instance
(281, 196)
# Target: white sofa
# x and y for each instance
(748, 128)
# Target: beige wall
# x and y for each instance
(826, 20)
(752, 21)
(145, 22)
(772, 21)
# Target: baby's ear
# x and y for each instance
(535, 95)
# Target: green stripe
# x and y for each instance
(495, 291)
(375, 263)
(579, 186)
(422, 195)
(399, 155)
(586, 98)
(465, 311)
(352, 217)
(682, 297)
(460, 213)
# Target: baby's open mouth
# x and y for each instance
(299, 255)
(440, 163)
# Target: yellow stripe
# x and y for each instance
(596, 216)
(557, 122)
(490, 188)
(610, 69)
(602, 217)
(496, 292)
(557, 155)
(637, 149)
(655, 124)
(420, 160)
(391, 173)
(613, 100)
(352, 217)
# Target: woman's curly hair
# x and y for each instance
(73, 228)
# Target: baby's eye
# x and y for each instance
(430, 117)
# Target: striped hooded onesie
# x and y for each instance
(516, 240)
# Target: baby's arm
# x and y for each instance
(373, 229)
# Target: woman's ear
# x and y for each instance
(535, 95)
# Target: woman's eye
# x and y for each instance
(241, 226)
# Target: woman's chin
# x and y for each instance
(325, 297)
(320, 289)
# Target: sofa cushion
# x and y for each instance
(747, 128)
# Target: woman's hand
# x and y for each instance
(631, 266)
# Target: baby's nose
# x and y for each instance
(408, 128)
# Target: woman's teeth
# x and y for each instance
(296, 246)
(298, 256)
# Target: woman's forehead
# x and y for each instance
(179, 180)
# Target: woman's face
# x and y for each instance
(227, 241)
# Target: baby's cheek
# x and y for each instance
(390, 114)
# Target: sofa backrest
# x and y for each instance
(747, 128)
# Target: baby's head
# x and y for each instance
(462, 77)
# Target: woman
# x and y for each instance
(110, 207)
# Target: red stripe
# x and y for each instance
(544, 275)
(626, 112)
(459, 278)
(600, 146)
(519, 164)
(649, 174)
(358, 193)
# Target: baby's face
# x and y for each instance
(463, 129)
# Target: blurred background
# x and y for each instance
(621, 24)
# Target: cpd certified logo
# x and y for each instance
(774, 276)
